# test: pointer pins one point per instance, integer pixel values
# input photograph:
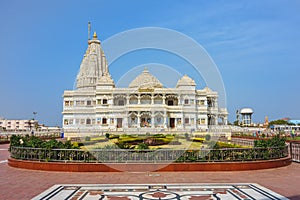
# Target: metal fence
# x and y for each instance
(239, 141)
(295, 151)
(148, 156)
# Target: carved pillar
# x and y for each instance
(179, 99)
(165, 120)
(139, 99)
(139, 119)
(164, 99)
(126, 120)
(152, 120)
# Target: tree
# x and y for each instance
(236, 123)
(280, 122)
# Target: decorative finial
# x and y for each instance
(146, 70)
(95, 35)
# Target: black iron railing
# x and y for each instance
(295, 151)
(148, 156)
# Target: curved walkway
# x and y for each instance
(25, 184)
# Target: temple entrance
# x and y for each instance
(145, 119)
(119, 122)
(172, 122)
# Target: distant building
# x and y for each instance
(18, 124)
(97, 105)
(285, 127)
(294, 121)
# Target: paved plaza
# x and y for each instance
(26, 184)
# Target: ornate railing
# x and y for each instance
(239, 141)
(295, 151)
(148, 156)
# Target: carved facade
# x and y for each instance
(98, 106)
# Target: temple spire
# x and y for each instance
(93, 65)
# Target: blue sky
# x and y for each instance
(255, 45)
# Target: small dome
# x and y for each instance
(145, 80)
(246, 111)
(186, 81)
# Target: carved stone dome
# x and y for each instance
(186, 81)
(145, 80)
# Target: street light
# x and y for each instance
(34, 113)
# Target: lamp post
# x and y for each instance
(34, 113)
(35, 124)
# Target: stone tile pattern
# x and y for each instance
(240, 191)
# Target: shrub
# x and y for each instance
(276, 141)
(123, 145)
(159, 136)
(111, 146)
(207, 137)
(142, 146)
(107, 135)
(35, 142)
(87, 138)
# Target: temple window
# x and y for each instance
(133, 100)
(192, 121)
(88, 121)
(186, 120)
(186, 101)
(112, 120)
(121, 103)
(67, 103)
(104, 121)
(210, 103)
(88, 103)
(98, 101)
(71, 121)
(170, 102)
(104, 101)
(66, 122)
(202, 102)
(145, 99)
(158, 99)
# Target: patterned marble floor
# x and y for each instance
(240, 191)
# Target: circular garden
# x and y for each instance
(182, 150)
